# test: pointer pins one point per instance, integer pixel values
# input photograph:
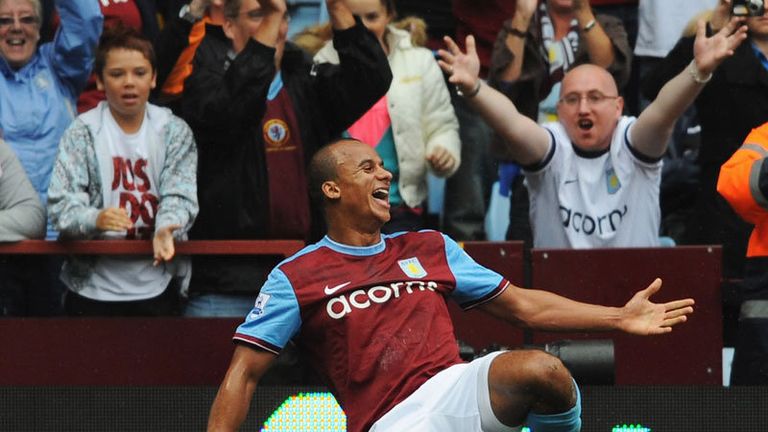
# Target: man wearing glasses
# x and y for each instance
(593, 176)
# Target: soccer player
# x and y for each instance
(370, 311)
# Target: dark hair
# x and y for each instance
(389, 5)
(120, 36)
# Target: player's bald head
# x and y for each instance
(324, 166)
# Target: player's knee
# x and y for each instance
(549, 380)
(544, 367)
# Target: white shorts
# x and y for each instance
(456, 399)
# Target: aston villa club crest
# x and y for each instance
(612, 181)
(412, 268)
(275, 133)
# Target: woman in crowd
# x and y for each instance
(39, 85)
(413, 127)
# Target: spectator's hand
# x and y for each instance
(720, 15)
(441, 161)
(642, 317)
(339, 14)
(113, 219)
(709, 52)
(198, 7)
(272, 6)
(162, 244)
(463, 69)
(524, 10)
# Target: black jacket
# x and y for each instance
(224, 101)
(170, 42)
(224, 106)
(729, 106)
(733, 103)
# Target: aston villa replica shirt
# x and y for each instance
(373, 320)
(582, 201)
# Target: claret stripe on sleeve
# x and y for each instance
(488, 297)
(250, 340)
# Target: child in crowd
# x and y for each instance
(125, 170)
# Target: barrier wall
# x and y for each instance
(178, 351)
(144, 247)
(66, 351)
(115, 351)
(692, 353)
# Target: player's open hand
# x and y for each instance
(643, 317)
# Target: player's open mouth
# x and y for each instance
(382, 195)
(585, 124)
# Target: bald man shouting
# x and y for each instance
(593, 176)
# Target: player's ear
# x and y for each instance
(331, 190)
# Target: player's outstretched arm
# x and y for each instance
(544, 310)
(234, 396)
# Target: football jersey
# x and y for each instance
(606, 200)
(372, 320)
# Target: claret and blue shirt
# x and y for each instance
(373, 320)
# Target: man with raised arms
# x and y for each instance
(593, 176)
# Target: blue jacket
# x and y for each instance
(37, 102)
